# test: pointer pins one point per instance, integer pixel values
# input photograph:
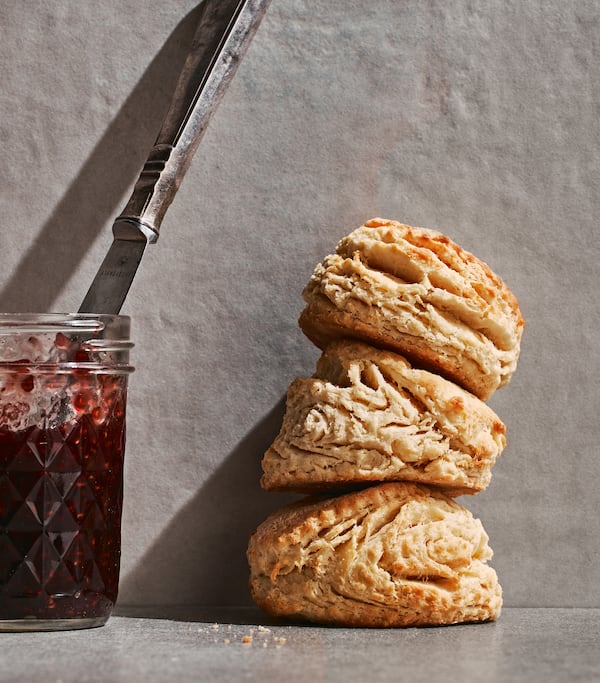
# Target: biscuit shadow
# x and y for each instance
(198, 563)
(94, 196)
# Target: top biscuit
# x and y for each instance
(415, 291)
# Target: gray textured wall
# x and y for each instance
(478, 119)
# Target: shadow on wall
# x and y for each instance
(199, 559)
(93, 198)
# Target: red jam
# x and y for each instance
(60, 507)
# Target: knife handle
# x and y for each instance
(224, 32)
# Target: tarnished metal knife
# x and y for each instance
(225, 30)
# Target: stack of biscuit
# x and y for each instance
(416, 334)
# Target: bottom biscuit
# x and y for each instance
(391, 555)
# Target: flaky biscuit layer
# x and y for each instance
(368, 416)
(416, 291)
(395, 554)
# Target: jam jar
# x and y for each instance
(63, 393)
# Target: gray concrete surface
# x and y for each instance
(528, 645)
(477, 119)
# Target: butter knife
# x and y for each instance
(224, 32)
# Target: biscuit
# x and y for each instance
(396, 554)
(368, 416)
(417, 292)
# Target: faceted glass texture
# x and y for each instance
(60, 513)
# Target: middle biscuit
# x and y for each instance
(368, 416)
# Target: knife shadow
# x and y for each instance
(94, 196)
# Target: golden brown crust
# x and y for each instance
(395, 554)
(417, 292)
(368, 416)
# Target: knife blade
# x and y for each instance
(224, 32)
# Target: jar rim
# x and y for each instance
(11, 323)
(105, 337)
(66, 368)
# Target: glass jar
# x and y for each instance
(63, 391)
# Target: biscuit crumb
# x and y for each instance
(247, 639)
(264, 629)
